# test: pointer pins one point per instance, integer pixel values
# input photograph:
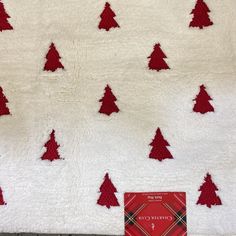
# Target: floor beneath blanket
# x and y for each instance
(29, 234)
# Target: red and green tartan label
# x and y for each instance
(155, 214)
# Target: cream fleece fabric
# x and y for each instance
(60, 197)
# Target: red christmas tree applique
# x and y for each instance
(107, 18)
(3, 104)
(157, 61)
(200, 15)
(51, 146)
(108, 102)
(159, 147)
(2, 202)
(208, 194)
(4, 24)
(202, 103)
(53, 59)
(108, 190)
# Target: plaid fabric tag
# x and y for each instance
(155, 214)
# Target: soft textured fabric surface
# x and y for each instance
(61, 196)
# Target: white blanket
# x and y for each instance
(61, 196)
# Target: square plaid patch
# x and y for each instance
(155, 214)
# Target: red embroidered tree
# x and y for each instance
(108, 102)
(202, 104)
(200, 15)
(4, 24)
(3, 101)
(159, 147)
(53, 59)
(208, 194)
(107, 18)
(2, 202)
(51, 145)
(108, 190)
(156, 61)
